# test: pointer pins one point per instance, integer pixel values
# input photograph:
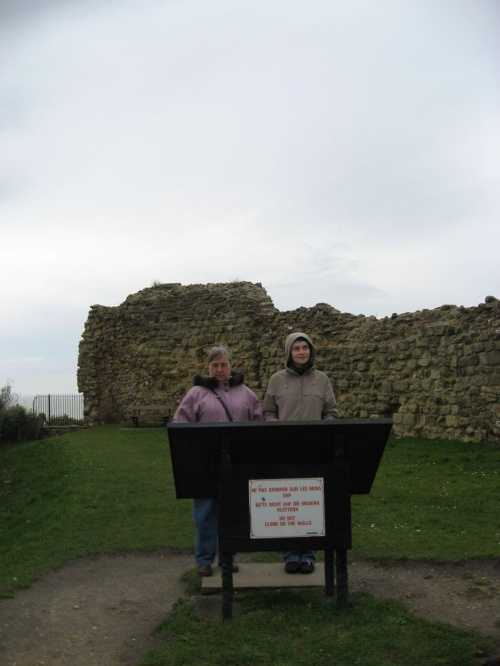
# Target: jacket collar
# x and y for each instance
(236, 379)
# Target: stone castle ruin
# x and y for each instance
(435, 372)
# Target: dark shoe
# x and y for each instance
(236, 567)
(205, 570)
(292, 567)
(306, 567)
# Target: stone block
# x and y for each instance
(408, 419)
(490, 358)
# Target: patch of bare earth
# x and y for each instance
(98, 610)
(464, 594)
(103, 610)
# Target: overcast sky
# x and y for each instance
(338, 152)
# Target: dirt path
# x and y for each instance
(102, 610)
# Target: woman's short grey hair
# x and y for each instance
(216, 352)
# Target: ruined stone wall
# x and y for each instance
(435, 372)
(147, 350)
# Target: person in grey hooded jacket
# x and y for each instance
(300, 392)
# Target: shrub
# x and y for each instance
(18, 425)
(7, 396)
(63, 420)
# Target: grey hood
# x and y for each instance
(288, 347)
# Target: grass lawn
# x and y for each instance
(431, 500)
(107, 489)
(286, 627)
(97, 490)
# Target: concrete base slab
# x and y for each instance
(264, 575)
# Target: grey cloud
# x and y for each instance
(336, 152)
(29, 10)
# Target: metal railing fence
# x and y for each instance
(60, 409)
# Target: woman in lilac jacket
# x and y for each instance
(220, 396)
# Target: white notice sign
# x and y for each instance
(286, 508)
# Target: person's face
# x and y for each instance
(300, 352)
(220, 368)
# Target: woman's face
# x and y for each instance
(300, 352)
(220, 368)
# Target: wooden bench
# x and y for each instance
(149, 414)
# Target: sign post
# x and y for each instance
(280, 486)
